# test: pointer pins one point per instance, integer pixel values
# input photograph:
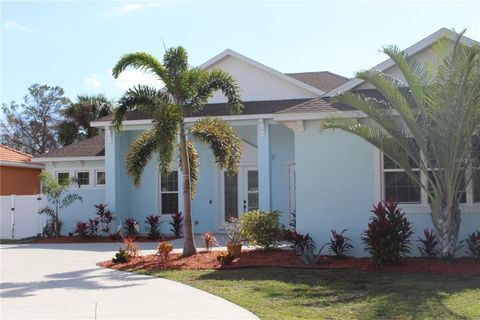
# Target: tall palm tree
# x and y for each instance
(187, 90)
(430, 122)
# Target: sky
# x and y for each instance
(74, 44)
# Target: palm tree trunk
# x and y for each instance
(446, 219)
(188, 240)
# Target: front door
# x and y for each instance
(240, 192)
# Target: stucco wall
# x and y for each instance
(335, 188)
(19, 181)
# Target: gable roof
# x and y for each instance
(11, 155)
(91, 147)
(412, 50)
(278, 74)
(323, 80)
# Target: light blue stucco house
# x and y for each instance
(330, 178)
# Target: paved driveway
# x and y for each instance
(61, 281)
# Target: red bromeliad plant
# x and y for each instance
(473, 244)
(339, 244)
(428, 244)
(387, 238)
(92, 227)
(176, 223)
(299, 242)
(153, 223)
(81, 230)
(131, 226)
(105, 217)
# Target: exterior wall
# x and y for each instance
(337, 178)
(257, 84)
(19, 181)
(79, 211)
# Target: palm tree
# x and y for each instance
(430, 122)
(79, 114)
(187, 90)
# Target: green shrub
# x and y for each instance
(261, 228)
(122, 256)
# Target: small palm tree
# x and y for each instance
(431, 122)
(186, 92)
(58, 198)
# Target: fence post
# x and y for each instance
(13, 216)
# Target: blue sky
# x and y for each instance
(74, 44)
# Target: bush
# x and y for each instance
(131, 246)
(428, 244)
(387, 238)
(225, 258)
(153, 223)
(131, 227)
(233, 229)
(209, 240)
(299, 241)
(81, 230)
(261, 228)
(473, 244)
(163, 250)
(121, 256)
(92, 227)
(339, 244)
(176, 223)
(105, 217)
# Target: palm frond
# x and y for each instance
(193, 163)
(69, 199)
(142, 61)
(222, 140)
(139, 153)
(166, 124)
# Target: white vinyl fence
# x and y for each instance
(19, 218)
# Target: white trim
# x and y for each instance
(281, 117)
(229, 52)
(414, 49)
(60, 159)
(21, 165)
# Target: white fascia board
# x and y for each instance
(229, 52)
(317, 115)
(61, 159)
(414, 49)
(22, 165)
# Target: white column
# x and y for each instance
(111, 168)
(263, 150)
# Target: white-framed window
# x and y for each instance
(169, 193)
(83, 178)
(62, 176)
(100, 178)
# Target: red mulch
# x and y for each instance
(97, 240)
(287, 259)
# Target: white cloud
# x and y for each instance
(133, 7)
(130, 78)
(15, 26)
(92, 82)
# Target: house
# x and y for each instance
(18, 175)
(330, 178)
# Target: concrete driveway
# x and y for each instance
(61, 281)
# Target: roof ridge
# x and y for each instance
(15, 150)
(323, 71)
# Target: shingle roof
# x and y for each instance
(323, 80)
(11, 155)
(92, 147)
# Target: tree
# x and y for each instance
(430, 122)
(78, 115)
(187, 90)
(58, 198)
(31, 126)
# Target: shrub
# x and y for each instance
(233, 229)
(428, 244)
(131, 227)
(299, 241)
(92, 227)
(473, 244)
(131, 246)
(387, 238)
(81, 230)
(163, 250)
(121, 256)
(261, 228)
(105, 217)
(153, 223)
(225, 258)
(176, 223)
(209, 240)
(339, 244)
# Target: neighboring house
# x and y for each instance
(18, 175)
(330, 178)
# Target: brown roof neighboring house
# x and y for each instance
(11, 155)
(92, 147)
(323, 80)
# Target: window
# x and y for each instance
(476, 185)
(169, 193)
(62, 177)
(83, 178)
(398, 185)
(100, 176)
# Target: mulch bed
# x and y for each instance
(98, 240)
(287, 259)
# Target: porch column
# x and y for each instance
(111, 168)
(263, 150)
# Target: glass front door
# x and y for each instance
(240, 192)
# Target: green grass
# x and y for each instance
(279, 293)
(19, 241)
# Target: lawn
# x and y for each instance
(283, 293)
